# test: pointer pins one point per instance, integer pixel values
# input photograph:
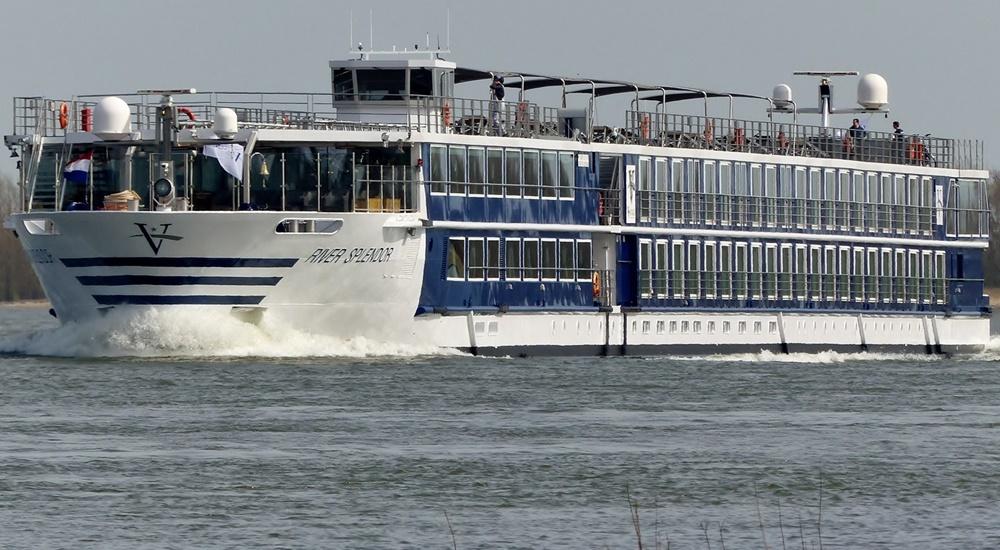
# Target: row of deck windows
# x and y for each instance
(692, 269)
(514, 259)
(706, 192)
(500, 172)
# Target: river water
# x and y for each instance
(170, 432)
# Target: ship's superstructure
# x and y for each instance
(396, 210)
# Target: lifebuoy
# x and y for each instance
(596, 282)
(188, 112)
(644, 126)
(63, 115)
(446, 114)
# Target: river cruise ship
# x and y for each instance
(427, 203)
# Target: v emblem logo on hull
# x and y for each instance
(155, 238)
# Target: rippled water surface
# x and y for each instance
(250, 438)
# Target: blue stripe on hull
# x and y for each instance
(161, 280)
(178, 262)
(158, 300)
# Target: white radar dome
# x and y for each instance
(873, 91)
(225, 124)
(112, 118)
(782, 96)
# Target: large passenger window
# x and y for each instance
(512, 175)
(439, 168)
(567, 174)
(549, 259)
(456, 169)
(456, 258)
(550, 174)
(531, 170)
(531, 253)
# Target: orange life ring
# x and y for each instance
(63, 115)
(446, 114)
(596, 281)
(187, 111)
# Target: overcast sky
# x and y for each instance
(938, 56)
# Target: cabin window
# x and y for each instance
(710, 272)
(493, 259)
(659, 206)
(756, 267)
(645, 183)
(771, 271)
(381, 84)
(694, 270)
(456, 169)
(726, 190)
(660, 276)
(567, 265)
(815, 273)
(531, 171)
(801, 272)
(567, 175)
(843, 203)
(785, 277)
(740, 273)
(645, 267)
(477, 170)
(456, 258)
(494, 172)
(844, 274)
(725, 270)
(583, 260)
(771, 191)
(677, 268)
(830, 272)
(439, 168)
(550, 174)
(531, 253)
(421, 82)
(512, 175)
(871, 201)
(549, 259)
(343, 85)
(940, 283)
(676, 190)
(477, 259)
(512, 255)
(900, 281)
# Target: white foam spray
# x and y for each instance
(193, 333)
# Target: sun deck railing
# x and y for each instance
(46, 117)
(780, 138)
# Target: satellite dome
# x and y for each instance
(782, 96)
(225, 124)
(112, 118)
(873, 91)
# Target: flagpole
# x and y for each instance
(90, 182)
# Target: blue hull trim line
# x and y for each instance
(179, 262)
(129, 280)
(154, 300)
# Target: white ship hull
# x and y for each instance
(365, 280)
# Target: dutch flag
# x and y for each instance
(77, 169)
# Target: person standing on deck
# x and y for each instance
(496, 98)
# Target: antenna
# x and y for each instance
(447, 41)
(371, 29)
(350, 41)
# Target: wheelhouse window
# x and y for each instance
(421, 82)
(343, 85)
(381, 84)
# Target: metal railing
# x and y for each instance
(779, 138)
(785, 286)
(485, 117)
(384, 188)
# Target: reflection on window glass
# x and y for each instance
(512, 177)
(494, 171)
(531, 168)
(493, 258)
(439, 168)
(477, 259)
(477, 175)
(343, 85)
(381, 84)
(550, 173)
(456, 258)
(549, 260)
(567, 174)
(567, 267)
(421, 82)
(583, 260)
(512, 254)
(456, 169)
(531, 260)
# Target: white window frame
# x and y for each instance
(488, 260)
(536, 276)
(430, 169)
(465, 259)
(503, 170)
